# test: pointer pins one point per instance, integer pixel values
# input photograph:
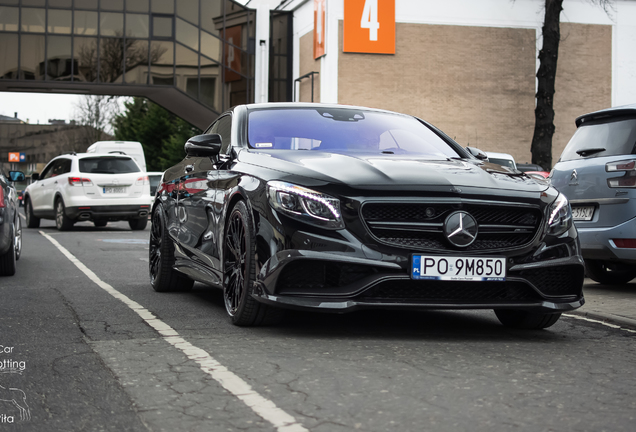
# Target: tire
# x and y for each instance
(62, 221)
(163, 277)
(18, 237)
(609, 273)
(32, 220)
(138, 224)
(526, 320)
(239, 263)
(100, 223)
(8, 259)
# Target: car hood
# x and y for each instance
(372, 170)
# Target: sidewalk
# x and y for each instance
(612, 304)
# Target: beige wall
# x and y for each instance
(308, 64)
(478, 83)
(584, 78)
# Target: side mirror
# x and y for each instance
(477, 153)
(16, 176)
(203, 145)
(35, 176)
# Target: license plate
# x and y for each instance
(454, 268)
(114, 190)
(584, 213)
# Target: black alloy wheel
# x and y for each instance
(163, 277)
(239, 257)
(32, 220)
(526, 320)
(609, 273)
(8, 260)
(62, 221)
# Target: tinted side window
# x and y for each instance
(602, 139)
(56, 168)
(223, 127)
(46, 172)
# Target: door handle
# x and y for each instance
(189, 168)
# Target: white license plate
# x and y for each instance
(114, 190)
(584, 213)
(454, 268)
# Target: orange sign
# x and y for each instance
(14, 156)
(369, 26)
(319, 28)
(232, 53)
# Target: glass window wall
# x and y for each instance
(61, 3)
(111, 24)
(136, 61)
(32, 57)
(189, 10)
(85, 23)
(137, 6)
(9, 18)
(163, 6)
(161, 63)
(60, 21)
(137, 25)
(58, 66)
(112, 5)
(85, 58)
(162, 27)
(33, 20)
(8, 56)
(187, 34)
(86, 4)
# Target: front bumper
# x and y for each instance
(597, 244)
(300, 279)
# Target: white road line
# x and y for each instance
(22, 216)
(614, 326)
(231, 382)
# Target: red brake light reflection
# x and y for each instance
(625, 243)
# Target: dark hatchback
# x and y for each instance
(10, 224)
(336, 208)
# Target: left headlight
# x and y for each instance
(305, 204)
(559, 216)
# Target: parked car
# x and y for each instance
(337, 208)
(529, 167)
(88, 187)
(10, 224)
(597, 171)
(133, 149)
(503, 159)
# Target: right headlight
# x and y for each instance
(304, 204)
(559, 216)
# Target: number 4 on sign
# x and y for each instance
(369, 19)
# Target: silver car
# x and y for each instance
(597, 172)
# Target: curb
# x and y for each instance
(607, 318)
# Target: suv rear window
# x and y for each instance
(108, 165)
(612, 138)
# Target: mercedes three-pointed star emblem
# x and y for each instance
(460, 229)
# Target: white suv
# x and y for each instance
(88, 186)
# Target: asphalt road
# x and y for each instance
(87, 345)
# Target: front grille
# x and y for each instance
(420, 225)
(450, 291)
(556, 281)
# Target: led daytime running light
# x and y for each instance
(304, 194)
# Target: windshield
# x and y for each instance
(108, 165)
(503, 162)
(602, 139)
(344, 130)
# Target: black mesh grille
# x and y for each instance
(556, 281)
(451, 291)
(316, 276)
(500, 227)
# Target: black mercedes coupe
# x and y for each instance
(337, 208)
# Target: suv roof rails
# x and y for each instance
(69, 152)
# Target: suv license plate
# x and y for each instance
(114, 190)
(584, 213)
(454, 268)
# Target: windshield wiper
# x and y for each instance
(590, 151)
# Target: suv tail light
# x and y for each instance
(79, 181)
(142, 181)
(625, 243)
(1, 197)
(628, 179)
